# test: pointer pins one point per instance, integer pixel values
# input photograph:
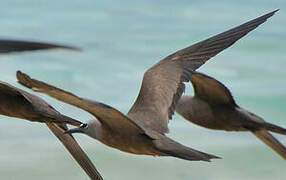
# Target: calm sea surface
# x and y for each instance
(121, 39)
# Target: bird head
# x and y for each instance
(88, 128)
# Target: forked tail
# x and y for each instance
(173, 148)
(274, 128)
(271, 141)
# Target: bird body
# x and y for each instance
(127, 142)
(120, 131)
(213, 107)
(148, 143)
(135, 144)
(216, 117)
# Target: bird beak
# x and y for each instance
(74, 130)
(77, 130)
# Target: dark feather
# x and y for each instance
(102, 112)
(271, 141)
(211, 90)
(162, 86)
(74, 148)
(8, 46)
(15, 102)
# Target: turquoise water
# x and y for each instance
(120, 41)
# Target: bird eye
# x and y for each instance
(83, 125)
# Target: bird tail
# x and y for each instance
(271, 141)
(274, 128)
(173, 148)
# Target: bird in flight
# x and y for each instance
(143, 130)
(21, 104)
(213, 107)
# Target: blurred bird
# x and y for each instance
(213, 107)
(11, 46)
(15, 102)
(142, 130)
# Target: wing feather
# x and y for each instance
(211, 90)
(8, 46)
(162, 84)
(74, 148)
(105, 114)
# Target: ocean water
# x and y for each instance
(121, 40)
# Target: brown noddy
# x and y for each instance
(214, 107)
(143, 129)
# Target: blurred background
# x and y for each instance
(121, 40)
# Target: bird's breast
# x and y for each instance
(136, 144)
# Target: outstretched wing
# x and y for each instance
(74, 148)
(107, 115)
(8, 46)
(211, 90)
(17, 103)
(162, 84)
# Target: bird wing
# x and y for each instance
(162, 84)
(74, 148)
(211, 90)
(8, 46)
(15, 100)
(107, 115)
(17, 103)
(21, 104)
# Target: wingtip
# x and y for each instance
(66, 47)
(217, 157)
(271, 13)
(264, 17)
(72, 48)
(276, 10)
(23, 79)
(14, 45)
(19, 74)
(212, 158)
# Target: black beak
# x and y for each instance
(74, 130)
(77, 130)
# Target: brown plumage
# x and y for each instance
(15, 102)
(18, 103)
(142, 130)
(213, 107)
(11, 46)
